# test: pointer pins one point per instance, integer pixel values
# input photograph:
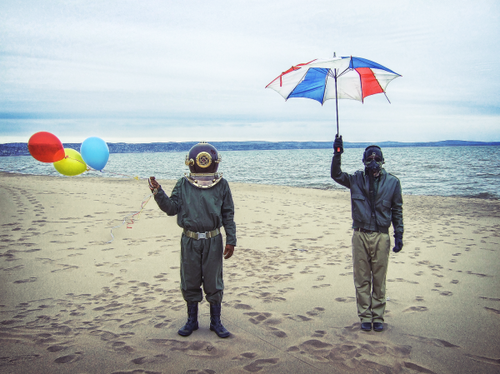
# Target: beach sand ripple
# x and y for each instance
(76, 299)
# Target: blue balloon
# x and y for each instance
(95, 152)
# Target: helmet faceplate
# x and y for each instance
(203, 161)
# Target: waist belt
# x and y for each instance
(364, 230)
(201, 235)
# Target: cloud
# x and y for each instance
(168, 67)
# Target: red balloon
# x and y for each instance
(46, 147)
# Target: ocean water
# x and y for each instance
(441, 171)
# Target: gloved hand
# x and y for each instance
(154, 186)
(338, 145)
(398, 242)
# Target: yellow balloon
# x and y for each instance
(71, 164)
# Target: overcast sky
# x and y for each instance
(197, 70)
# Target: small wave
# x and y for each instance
(487, 175)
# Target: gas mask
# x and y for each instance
(372, 167)
(373, 160)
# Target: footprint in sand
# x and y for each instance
(416, 309)
(57, 348)
(322, 285)
(259, 364)
(29, 280)
(18, 267)
(477, 274)
(121, 347)
(446, 293)
(236, 304)
(299, 318)
(69, 358)
(197, 348)
(267, 322)
(105, 274)
(348, 299)
(434, 342)
(133, 323)
(163, 324)
(104, 335)
(489, 298)
(316, 311)
(245, 356)
(488, 360)
(242, 306)
(318, 334)
(491, 310)
(149, 360)
(258, 317)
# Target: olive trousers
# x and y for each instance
(201, 264)
(370, 256)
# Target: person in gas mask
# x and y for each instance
(203, 203)
(376, 202)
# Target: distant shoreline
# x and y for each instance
(21, 149)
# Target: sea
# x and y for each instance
(463, 171)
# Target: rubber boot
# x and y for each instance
(192, 322)
(215, 322)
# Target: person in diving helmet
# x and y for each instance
(376, 202)
(203, 203)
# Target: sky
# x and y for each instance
(193, 70)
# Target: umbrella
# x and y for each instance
(337, 78)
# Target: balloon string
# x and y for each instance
(128, 220)
(122, 175)
(130, 217)
(104, 171)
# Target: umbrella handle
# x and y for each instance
(338, 149)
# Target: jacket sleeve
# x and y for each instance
(170, 205)
(337, 174)
(397, 209)
(228, 216)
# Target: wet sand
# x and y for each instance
(83, 293)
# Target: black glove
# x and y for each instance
(398, 242)
(338, 145)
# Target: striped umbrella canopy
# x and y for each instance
(337, 78)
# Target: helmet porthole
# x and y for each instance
(203, 160)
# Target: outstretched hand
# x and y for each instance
(228, 251)
(153, 184)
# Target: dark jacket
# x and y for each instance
(388, 203)
(200, 210)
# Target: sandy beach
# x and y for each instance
(83, 293)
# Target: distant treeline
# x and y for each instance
(21, 149)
